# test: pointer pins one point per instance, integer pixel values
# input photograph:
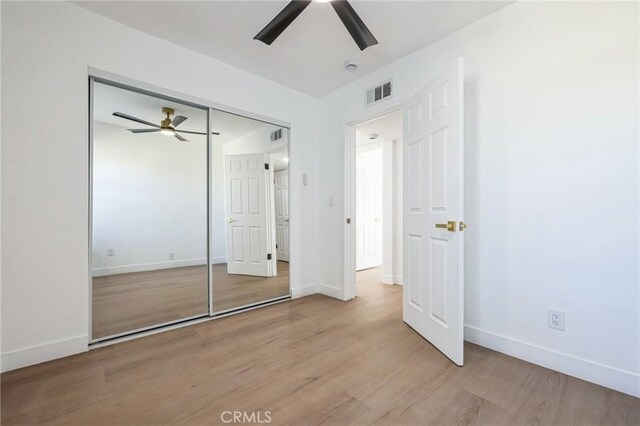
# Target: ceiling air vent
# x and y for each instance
(378, 93)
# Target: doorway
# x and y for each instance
(378, 200)
(432, 210)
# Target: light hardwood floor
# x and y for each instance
(309, 361)
(132, 301)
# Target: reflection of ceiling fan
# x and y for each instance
(166, 127)
(358, 30)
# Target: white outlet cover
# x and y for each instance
(556, 319)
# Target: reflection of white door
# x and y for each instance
(246, 211)
(433, 293)
(369, 209)
(281, 188)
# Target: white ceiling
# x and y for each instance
(109, 99)
(310, 53)
(388, 128)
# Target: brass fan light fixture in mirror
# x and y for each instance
(166, 127)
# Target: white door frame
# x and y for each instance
(349, 190)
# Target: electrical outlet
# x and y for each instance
(172, 256)
(556, 319)
(111, 252)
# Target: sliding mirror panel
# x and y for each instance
(149, 212)
(249, 212)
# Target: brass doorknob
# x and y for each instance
(230, 219)
(449, 226)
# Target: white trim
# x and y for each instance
(306, 290)
(19, 358)
(350, 286)
(202, 103)
(142, 267)
(591, 371)
(335, 292)
(392, 279)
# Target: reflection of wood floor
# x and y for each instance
(313, 360)
(232, 291)
(126, 302)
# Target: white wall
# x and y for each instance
(149, 201)
(551, 187)
(256, 141)
(49, 46)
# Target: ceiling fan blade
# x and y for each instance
(281, 21)
(358, 30)
(177, 120)
(143, 130)
(197, 133)
(132, 118)
(180, 137)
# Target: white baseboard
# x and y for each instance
(604, 375)
(19, 358)
(142, 267)
(392, 279)
(327, 290)
(218, 260)
(306, 290)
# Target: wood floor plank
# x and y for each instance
(314, 360)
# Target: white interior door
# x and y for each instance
(281, 188)
(369, 209)
(433, 302)
(247, 213)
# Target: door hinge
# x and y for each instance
(276, 246)
(269, 256)
(266, 166)
(348, 220)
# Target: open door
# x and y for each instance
(281, 187)
(433, 299)
(247, 210)
(368, 209)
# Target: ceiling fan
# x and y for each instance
(358, 30)
(166, 127)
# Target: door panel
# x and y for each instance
(433, 181)
(369, 209)
(247, 214)
(281, 188)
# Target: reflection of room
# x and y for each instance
(149, 224)
(250, 239)
(149, 216)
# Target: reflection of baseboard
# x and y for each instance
(218, 260)
(142, 267)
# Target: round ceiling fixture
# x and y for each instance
(351, 66)
(373, 136)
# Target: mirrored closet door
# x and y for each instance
(189, 211)
(249, 212)
(149, 211)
